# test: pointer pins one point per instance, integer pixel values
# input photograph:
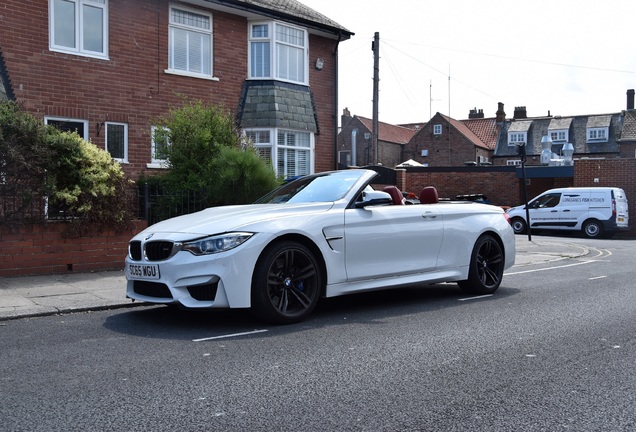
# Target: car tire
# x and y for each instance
(519, 225)
(287, 283)
(486, 269)
(593, 229)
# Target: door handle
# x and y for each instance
(429, 215)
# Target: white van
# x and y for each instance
(595, 211)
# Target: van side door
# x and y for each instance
(574, 209)
(544, 211)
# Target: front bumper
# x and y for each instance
(220, 280)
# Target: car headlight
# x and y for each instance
(216, 244)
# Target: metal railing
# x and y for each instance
(157, 204)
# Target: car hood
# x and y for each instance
(232, 218)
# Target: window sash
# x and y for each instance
(79, 27)
(287, 47)
(559, 135)
(160, 141)
(261, 141)
(69, 125)
(117, 141)
(597, 134)
(517, 137)
(437, 129)
(292, 151)
(190, 46)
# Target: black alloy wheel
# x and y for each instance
(486, 267)
(287, 283)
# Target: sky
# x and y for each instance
(563, 57)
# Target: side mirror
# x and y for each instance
(374, 198)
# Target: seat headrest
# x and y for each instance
(429, 195)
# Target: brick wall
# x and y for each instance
(131, 86)
(502, 187)
(451, 148)
(42, 249)
(323, 92)
(611, 173)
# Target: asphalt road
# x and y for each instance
(553, 350)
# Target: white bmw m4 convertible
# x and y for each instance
(321, 235)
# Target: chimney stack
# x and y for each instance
(475, 113)
(501, 115)
(345, 117)
(630, 99)
(520, 113)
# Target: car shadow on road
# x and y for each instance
(373, 308)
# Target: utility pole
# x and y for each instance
(376, 80)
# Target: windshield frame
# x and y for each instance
(323, 187)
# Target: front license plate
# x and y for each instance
(142, 271)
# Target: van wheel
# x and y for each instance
(518, 225)
(593, 229)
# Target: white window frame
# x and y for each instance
(275, 49)
(598, 134)
(513, 162)
(437, 129)
(559, 136)
(278, 151)
(263, 143)
(174, 26)
(125, 132)
(154, 161)
(48, 119)
(515, 138)
(81, 28)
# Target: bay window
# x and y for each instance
(291, 154)
(278, 51)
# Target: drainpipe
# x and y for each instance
(354, 146)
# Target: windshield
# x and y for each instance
(326, 187)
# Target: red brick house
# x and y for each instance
(355, 137)
(444, 141)
(107, 68)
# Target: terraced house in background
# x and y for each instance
(108, 68)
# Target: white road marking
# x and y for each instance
(229, 336)
(597, 277)
(550, 268)
(476, 297)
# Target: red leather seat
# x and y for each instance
(396, 195)
(429, 195)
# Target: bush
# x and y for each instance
(88, 185)
(24, 159)
(43, 167)
(207, 155)
(241, 176)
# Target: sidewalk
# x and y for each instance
(31, 296)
